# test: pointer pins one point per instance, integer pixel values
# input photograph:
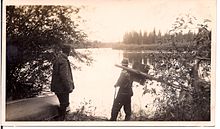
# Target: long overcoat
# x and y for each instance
(62, 80)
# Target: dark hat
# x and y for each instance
(66, 48)
(124, 61)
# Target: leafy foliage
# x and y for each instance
(34, 36)
(187, 67)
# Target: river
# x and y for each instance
(94, 86)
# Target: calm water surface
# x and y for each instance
(94, 85)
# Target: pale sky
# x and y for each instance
(108, 20)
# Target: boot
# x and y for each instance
(62, 114)
(127, 117)
(114, 115)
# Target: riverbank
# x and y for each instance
(77, 116)
(165, 46)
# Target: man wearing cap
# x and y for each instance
(124, 94)
(62, 80)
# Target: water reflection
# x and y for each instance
(94, 85)
(143, 57)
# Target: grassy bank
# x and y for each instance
(76, 116)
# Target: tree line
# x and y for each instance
(35, 33)
(185, 28)
(153, 37)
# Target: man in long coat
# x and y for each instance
(62, 81)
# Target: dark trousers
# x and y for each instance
(64, 103)
(121, 100)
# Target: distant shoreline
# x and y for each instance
(121, 46)
(163, 46)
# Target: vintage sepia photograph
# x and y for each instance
(108, 63)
